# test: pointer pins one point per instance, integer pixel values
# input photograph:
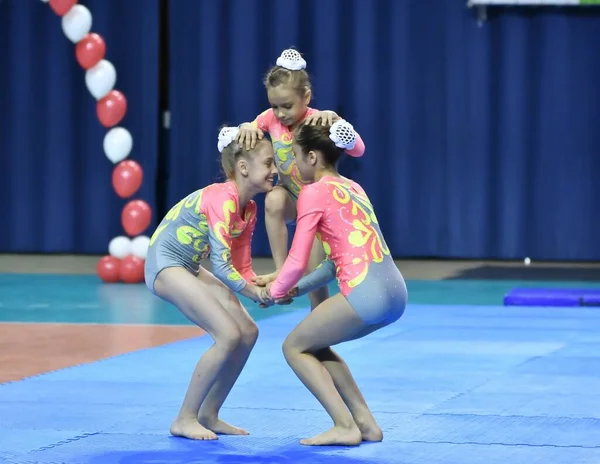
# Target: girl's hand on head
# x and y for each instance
(323, 118)
(248, 135)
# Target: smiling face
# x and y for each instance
(260, 166)
(288, 104)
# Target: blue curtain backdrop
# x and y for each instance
(55, 180)
(481, 141)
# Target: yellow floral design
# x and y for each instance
(365, 236)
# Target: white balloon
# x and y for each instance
(76, 23)
(117, 144)
(139, 246)
(101, 79)
(119, 247)
(45, 1)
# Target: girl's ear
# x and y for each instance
(243, 167)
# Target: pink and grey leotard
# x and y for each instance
(282, 138)
(208, 222)
(338, 211)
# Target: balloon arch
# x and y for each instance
(126, 256)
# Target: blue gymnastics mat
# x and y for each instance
(448, 385)
(553, 297)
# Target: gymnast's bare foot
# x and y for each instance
(368, 427)
(341, 436)
(221, 427)
(190, 428)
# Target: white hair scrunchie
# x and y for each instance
(343, 134)
(226, 136)
(291, 59)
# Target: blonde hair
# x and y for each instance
(233, 152)
(230, 156)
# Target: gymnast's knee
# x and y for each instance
(275, 202)
(290, 347)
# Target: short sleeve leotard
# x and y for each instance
(282, 138)
(338, 211)
(208, 222)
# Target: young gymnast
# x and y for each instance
(216, 221)
(373, 293)
(289, 93)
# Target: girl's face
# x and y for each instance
(288, 106)
(261, 167)
(306, 163)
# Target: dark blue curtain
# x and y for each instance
(55, 180)
(482, 142)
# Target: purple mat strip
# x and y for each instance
(552, 297)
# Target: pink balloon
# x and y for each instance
(132, 270)
(111, 109)
(108, 268)
(62, 7)
(127, 178)
(90, 50)
(136, 217)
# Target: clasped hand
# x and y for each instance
(266, 300)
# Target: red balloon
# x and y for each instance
(111, 109)
(61, 7)
(127, 178)
(132, 270)
(90, 50)
(136, 217)
(107, 269)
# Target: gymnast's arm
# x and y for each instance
(241, 247)
(321, 276)
(359, 147)
(310, 210)
(219, 208)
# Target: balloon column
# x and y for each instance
(126, 257)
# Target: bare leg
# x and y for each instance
(279, 209)
(209, 411)
(349, 391)
(351, 394)
(338, 369)
(193, 298)
(317, 255)
(332, 322)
